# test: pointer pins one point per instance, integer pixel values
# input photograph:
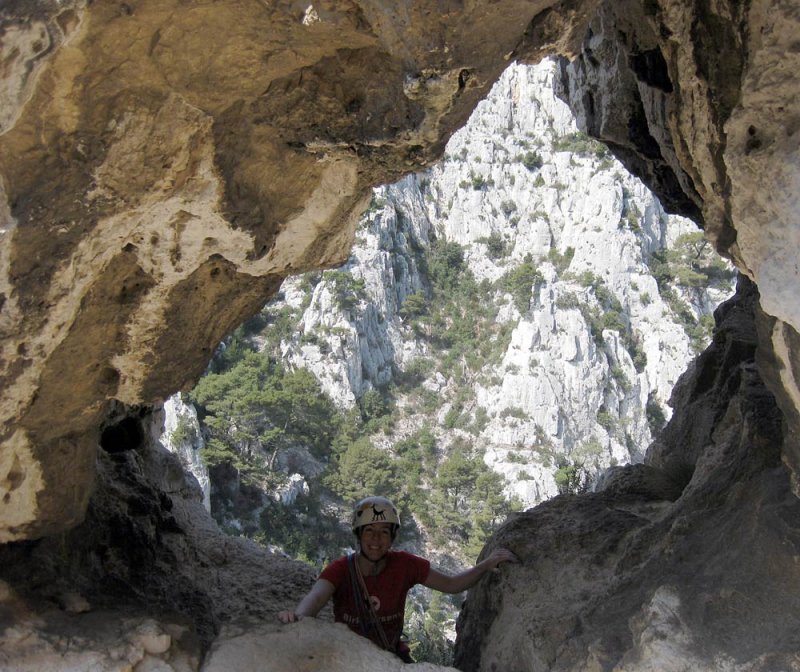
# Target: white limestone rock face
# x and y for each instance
(182, 436)
(350, 334)
(568, 390)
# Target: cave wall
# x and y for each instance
(147, 580)
(683, 562)
(696, 99)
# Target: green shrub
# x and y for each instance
(618, 374)
(415, 372)
(446, 264)
(514, 412)
(414, 305)
(348, 291)
(606, 420)
(480, 421)
(568, 301)
(561, 261)
(508, 207)
(184, 433)
(497, 246)
(655, 415)
(581, 144)
(571, 479)
(479, 182)
(531, 160)
(519, 282)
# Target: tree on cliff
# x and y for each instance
(256, 408)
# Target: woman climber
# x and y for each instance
(369, 587)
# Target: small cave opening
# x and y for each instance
(125, 435)
(444, 323)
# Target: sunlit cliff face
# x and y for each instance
(163, 166)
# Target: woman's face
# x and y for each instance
(376, 540)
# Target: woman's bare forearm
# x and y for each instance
(462, 581)
(311, 604)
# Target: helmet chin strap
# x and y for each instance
(374, 563)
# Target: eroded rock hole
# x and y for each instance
(651, 68)
(14, 478)
(125, 435)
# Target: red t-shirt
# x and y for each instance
(387, 590)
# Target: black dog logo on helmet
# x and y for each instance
(378, 515)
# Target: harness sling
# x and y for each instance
(367, 618)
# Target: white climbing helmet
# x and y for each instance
(375, 510)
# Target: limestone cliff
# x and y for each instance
(583, 354)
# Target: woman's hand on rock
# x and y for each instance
(500, 555)
(288, 617)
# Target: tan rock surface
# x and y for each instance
(164, 165)
(307, 646)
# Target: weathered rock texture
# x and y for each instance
(147, 547)
(696, 100)
(164, 165)
(678, 564)
(307, 646)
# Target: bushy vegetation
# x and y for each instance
(573, 475)
(693, 265)
(581, 144)
(426, 629)
(460, 324)
(348, 291)
(255, 411)
(519, 282)
(531, 160)
(692, 262)
(561, 260)
(655, 415)
(497, 245)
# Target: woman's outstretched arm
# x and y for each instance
(311, 604)
(468, 578)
